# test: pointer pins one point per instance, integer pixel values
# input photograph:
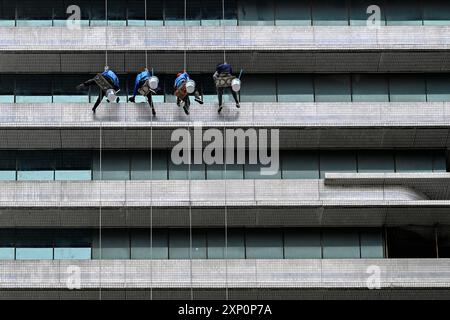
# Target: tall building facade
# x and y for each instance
(356, 92)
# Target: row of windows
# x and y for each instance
(136, 165)
(206, 244)
(255, 88)
(209, 12)
(280, 243)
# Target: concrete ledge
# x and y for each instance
(435, 185)
(302, 125)
(237, 38)
(249, 203)
(121, 274)
(283, 115)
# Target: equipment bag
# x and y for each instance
(181, 92)
(224, 80)
(102, 82)
(145, 89)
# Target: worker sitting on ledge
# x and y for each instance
(183, 87)
(108, 82)
(143, 87)
(223, 78)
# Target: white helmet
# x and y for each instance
(190, 86)
(111, 95)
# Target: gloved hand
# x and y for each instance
(81, 86)
(132, 99)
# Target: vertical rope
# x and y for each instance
(106, 33)
(100, 213)
(225, 169)
(145, 28)
(190, 158)
(223, 30)
(185, 37)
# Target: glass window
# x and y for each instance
(65, 91)
(253, 171)
(302, 244)
(97, 12)
(332, 88)
(411, 242)
(174, 12)
(401, 14)
(186, 171)
(7, 253)
(115, 244)
(372, 244)
(370, 88)
(438, 88)
(217, 171)
(444, 242)
(7, 88)
(256, 13)
(414, 161)
(329, 13)
(34, 253)
(235, 244)
(337, 162)
(341, 244)
(34, 13)
(34, 244)
(117, 12)
(142, 163)
(376, 161)
(359, 15)
(73, 253)
(264, 244)
(300, 165)
(73, 245)
(142, 248)
(7, 244)
(7, 13)
(292, 13)
(439, 162)
(295, 88)
(259, 88)
(179, 240)
(36, 165)
(115, 166)
(7, 165)
(212, 13)
(407, 89)
(436, 12)
(74, 165)
(34, 88)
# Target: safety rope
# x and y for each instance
(223, 30)
(225, 168)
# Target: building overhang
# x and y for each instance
(281, 49)
(202, 203)
(302, 125)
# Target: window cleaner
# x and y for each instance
(184, 86)
(224, 79)
(146, 84)
(108, 82)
